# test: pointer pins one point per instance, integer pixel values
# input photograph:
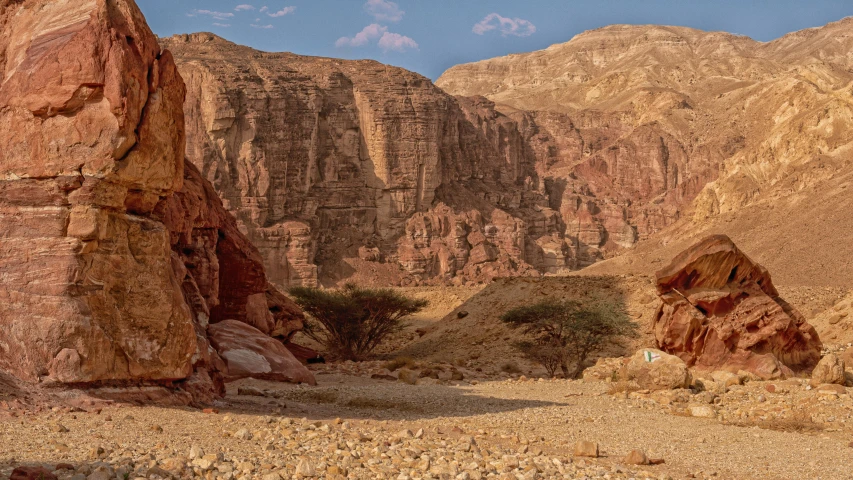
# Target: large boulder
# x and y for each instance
(248, 352)
(830, 369)
(720, 311)
(655, 370)
(91, 139)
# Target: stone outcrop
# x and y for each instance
(114, 257)
(720, 311)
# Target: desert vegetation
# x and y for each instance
(352, 321)
(567, 333)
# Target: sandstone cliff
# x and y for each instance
(110, 263)
(339, 168)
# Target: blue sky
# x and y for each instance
(429, 36)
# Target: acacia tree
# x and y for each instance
(353, 321)
(564, 332)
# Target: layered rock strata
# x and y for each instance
(324, 161)
(94, 287)
(720, 311)
(655, 126)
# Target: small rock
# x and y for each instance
(243, 434)
(585, 448)
(637, 457)
(305, 468)
(59, 428)
(32, 473)
(830, 369)
(702, 411)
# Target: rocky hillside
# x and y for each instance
(544, 162)
(768, 124)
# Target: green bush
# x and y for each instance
(353, 321)
(564, 332)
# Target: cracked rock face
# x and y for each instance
(335, 167)
(114, 257)
(721, 311)
(91, 138)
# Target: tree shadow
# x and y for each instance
(362, 399)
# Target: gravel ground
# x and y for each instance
(356, 427)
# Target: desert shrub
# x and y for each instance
(400, 362)
(353, 321)
(568, 333)
(548, 355)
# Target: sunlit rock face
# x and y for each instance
(319, 158)
(114, 257)
(91, 139)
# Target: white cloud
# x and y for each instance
(507, 26)
(396, 42)
(368, 33)
(384, 10)
(264, 9)
(223, 25)
(284, 11)
(244, 6)
(216, 15)
(255, 25)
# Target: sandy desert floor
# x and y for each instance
(351, 426)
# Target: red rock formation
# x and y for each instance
(250, 353)
(221, 273)
(91, 138)
(113, 256)
(318, 158)
(721, 311)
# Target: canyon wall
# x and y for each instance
(542, 163)
(335, 168)
(757, 136)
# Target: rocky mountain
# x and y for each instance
(762, 129)
(114, 258)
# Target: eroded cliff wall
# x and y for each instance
(335, 168)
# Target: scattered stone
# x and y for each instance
(32, 473)
(585, 448)
(636, 457)
(655, 370)
(702, 411)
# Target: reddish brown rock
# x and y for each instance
(249, 353)
(335, 167)
(32, 473)
(114, 256)
(91, 138)
(720, 311)
(302, 353)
